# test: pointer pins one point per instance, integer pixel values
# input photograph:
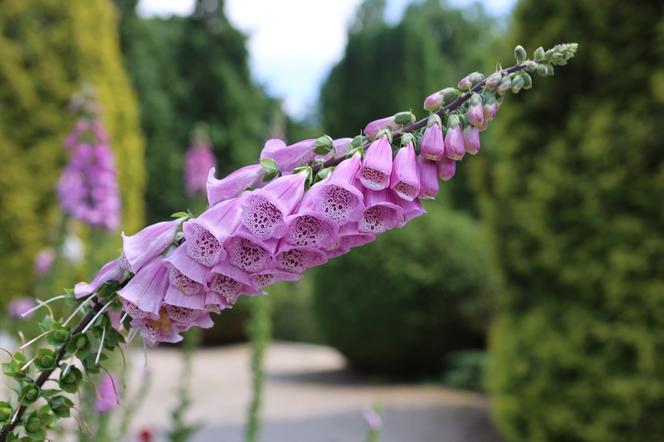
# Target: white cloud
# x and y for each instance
(149, 8)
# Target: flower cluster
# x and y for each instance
(300, 206)
(198, 160)
(88, 187)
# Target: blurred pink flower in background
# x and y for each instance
(107, 394)
(44, 261)
(18, 306)
(198, 161)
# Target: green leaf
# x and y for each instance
(270, 167)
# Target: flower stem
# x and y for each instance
(45, 375)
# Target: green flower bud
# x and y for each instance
(476, 78)
(527, 80)
(493, 80)
(504, 86)
(539, 54)
(81, 342)
(324, 145)
(517, 84)
(449, 95)
(407, 138)
(45, 359)
(5, 411)
(549, 69)
(520, 54)
(29, 393)
(542, 70)
(33, 424)
(60, 336)
(530, 65)
(404, 118)
(358, 141)
(453, 121)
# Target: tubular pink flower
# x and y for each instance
(144, 246)
(44, 261)
(490, 110)
(205, 235)
(446, 169)
(336, 197)
(454, 148)
(264, 211)
(107, 394)
(310, 228)
(476, 114)
(350, 236)
(147, 288)
(18, 306)
(198, 161)
(380, 214)
(428, 178)
(371, 130)
(249, 253)
(411, 210)
(187, 279)
(297, 259)
(433, 145)
(228, 282)
(405, 177)
(471, 140)
(289, 157)
(111, 271)
(234, 184)
(377, 165)
(268, 277)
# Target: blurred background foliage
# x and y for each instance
(48, 49)
(552, 237)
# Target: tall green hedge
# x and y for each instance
(574, 198)
(403, 304)
(48, 48)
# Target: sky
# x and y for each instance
(294, 43)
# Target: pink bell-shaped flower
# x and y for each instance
(336, 197)
(144, 246)
(381, 213)
(432, 146)
(471, 140)
(147, 288)
(234, 184)
(428, 178)
(111, 271)
(405, 177)
(297, 259)
(377, 165)
(206, 234)
(446, 169)
(454, 146)
(289, 157)
(249, 253)
(264, 211)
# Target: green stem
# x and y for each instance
(260, 333)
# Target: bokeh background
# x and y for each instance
(536, 278)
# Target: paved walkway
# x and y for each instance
(309, 397)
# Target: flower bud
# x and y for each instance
(323, 145)
(475, 113)
(504, 86)
(372, 129)
(446, 169)
(454, 146)
(471, 140)
(432, 146)
(465, 84)
(541, 70)
(492, 81)
(433, 102)
(490, 110)
(517, 84)
(5, 411)
(358, 141)
(449, 95)
(527, 80)
(403, 118)
(539, 54)
(520, 54)
(33, 424)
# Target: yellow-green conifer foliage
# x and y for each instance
(48, 49)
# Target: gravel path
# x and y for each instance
(309, 397)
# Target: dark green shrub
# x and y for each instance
(400, 305)
(574, 201)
